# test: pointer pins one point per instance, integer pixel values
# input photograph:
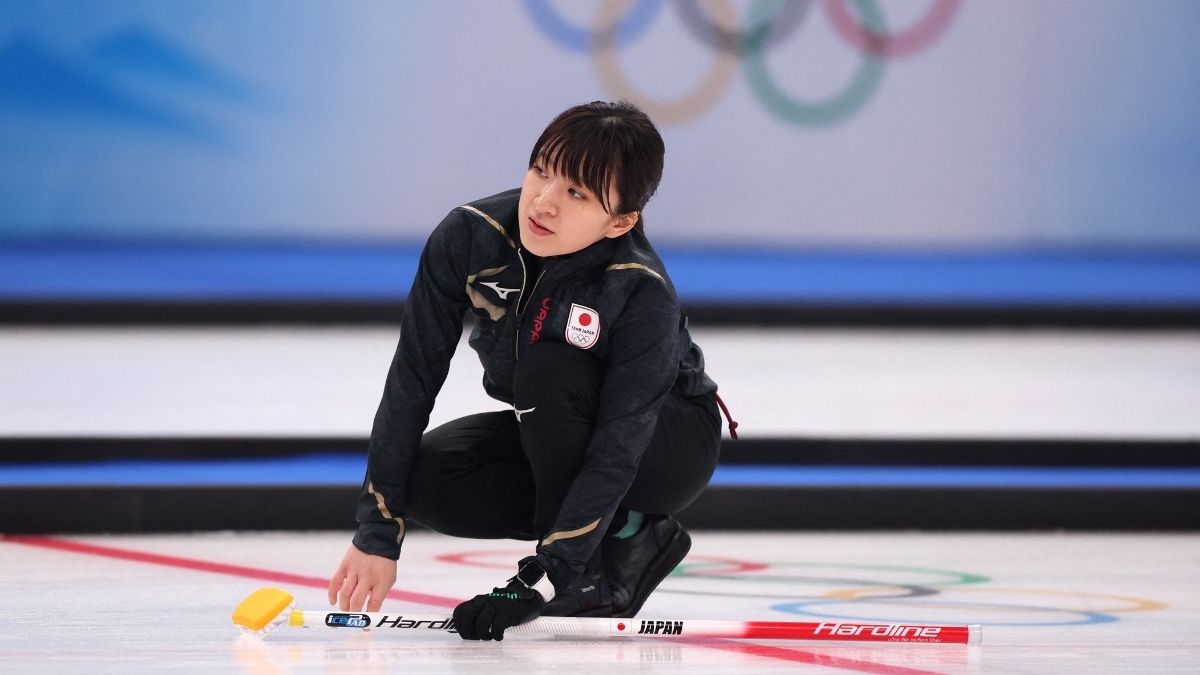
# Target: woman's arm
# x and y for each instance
(430, 329)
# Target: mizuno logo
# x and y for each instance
(522, 412)
(501, 292)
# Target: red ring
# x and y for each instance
(465, 558)
(902, 43)
(461, 558)
(736, 566)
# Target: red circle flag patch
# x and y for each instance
(583, 326)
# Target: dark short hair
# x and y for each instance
(596, 143)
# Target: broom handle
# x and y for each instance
(587, 627)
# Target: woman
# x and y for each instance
(614, 425)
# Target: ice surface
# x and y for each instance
(295, 381)
(1048, 603)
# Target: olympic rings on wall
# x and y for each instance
(766, 33)
(767, 23)
(904, 43)
(572, 37)
(668, 112)
(840, 106)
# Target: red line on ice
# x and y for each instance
(206, 566)
(813, 658)
(767, 651)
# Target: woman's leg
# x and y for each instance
(557, 392)
(643, 548)
(471, 479)
(490, 476)
(680, 459)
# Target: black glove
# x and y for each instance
(486, 617)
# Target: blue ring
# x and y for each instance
(580, 39)
(1088, 617)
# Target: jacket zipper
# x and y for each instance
(520, 301)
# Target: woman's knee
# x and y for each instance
(680, 460)
(468, 477)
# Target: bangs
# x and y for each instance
(606, 148)
(587, 155)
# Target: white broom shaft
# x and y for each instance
(584, 627)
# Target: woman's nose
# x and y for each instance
(546, 201)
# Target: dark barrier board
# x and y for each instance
(174, 509)
(56, 312)
(1031, 452)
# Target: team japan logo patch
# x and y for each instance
(583, 327)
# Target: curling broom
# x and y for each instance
(269, 608)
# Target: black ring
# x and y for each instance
(786, 21)
(913, 590)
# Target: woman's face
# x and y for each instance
(558, 217)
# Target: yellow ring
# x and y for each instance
(1138, 604)
(608, 70)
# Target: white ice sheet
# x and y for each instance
(779, 382)
(1049, 603)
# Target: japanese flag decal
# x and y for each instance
(583, 326)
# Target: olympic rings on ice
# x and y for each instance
(809, 608)
(866, 604)
(736, 570)
(904, 581)
(767, 23)
(1120, 603)
(888, 593)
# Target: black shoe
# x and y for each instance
(637, 565)
(586, 596)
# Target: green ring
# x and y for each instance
(833, 110)
(955, 578)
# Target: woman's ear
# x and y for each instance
(623, 224)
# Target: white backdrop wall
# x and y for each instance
(1020, 123)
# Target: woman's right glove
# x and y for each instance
(487, 616)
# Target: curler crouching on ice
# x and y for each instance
(614, 426)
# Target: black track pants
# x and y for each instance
(489, 476)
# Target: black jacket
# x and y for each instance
(473, 262)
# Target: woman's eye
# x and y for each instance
(540, 171)
(577, 194)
